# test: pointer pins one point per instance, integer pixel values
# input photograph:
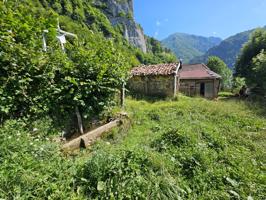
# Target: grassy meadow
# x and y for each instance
(190, 148)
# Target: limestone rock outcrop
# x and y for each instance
(121, 12)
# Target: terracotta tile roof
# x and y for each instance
(194, 71)
(150, 70)
(197, 71)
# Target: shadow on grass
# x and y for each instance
(150, 99)
(254, 103)
(259, 102)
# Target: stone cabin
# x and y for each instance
(169, 79)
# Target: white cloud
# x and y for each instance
(214, 33)
(156, 34)
(158, 23)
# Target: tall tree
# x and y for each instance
(259, 68)
(251, 64)
(251, 49)
(218, 66)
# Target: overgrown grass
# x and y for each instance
(186, 149)
(31, 165)
(211, 149)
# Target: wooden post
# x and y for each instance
(175, 84)
(213, 90)
(176, 77)
(80, 125)
(122, 96)
(178, 84)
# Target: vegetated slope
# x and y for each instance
(86, 75)
(35, 82)
(191, 148)
(228, 50)
(194, 149)
(115, 19)
(157, 53)
(187, 46)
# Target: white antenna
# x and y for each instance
(44, 40)
(61, 36)
(62, 39)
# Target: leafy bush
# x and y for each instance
(251, 62)
(126, 175)
(86, 76)
(34, 82)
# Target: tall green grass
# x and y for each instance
(210, 149)
(191, 148)
(31, 165)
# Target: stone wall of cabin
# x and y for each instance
(193, 87)
(152, 85)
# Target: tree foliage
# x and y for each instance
(87, 75)
(92, 14)
(259, 68)
(34, 82)
(218, 66)
(156, 53)
(238, 83)
(251, 63)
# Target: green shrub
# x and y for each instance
(34, 83)
(126, 175)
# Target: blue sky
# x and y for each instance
(221, 18)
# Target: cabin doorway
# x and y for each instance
(202, 89)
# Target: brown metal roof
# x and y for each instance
(197, 71)
(151, 70)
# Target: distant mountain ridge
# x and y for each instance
(187, 46)
(197, 49)
(227, 50)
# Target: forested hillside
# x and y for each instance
(228, 50)
(85, 76)
(35, 82)
(187, 46)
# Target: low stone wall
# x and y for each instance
(152, 85)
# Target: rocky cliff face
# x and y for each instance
(120, 12)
